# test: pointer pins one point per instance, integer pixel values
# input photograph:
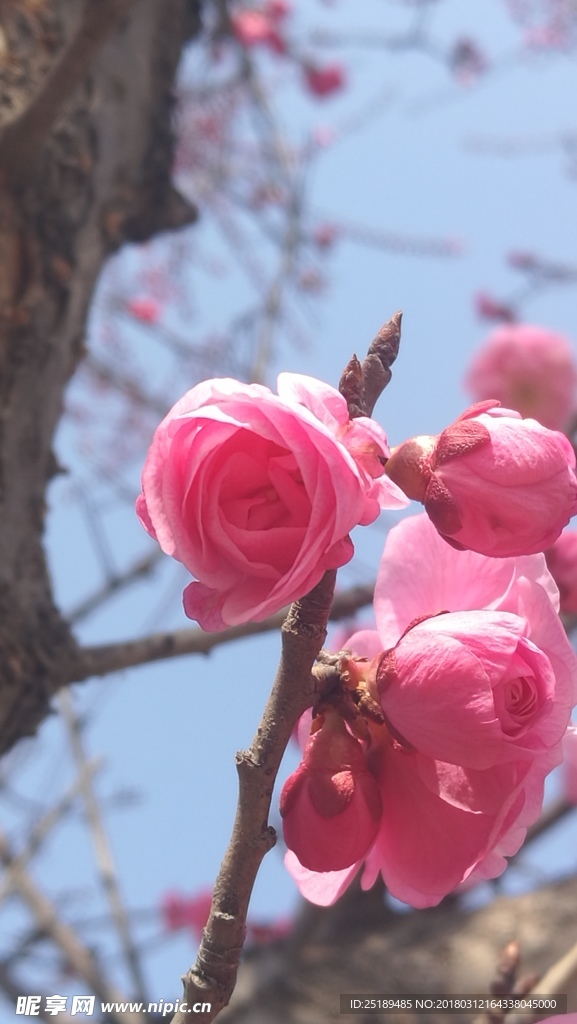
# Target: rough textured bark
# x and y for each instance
(85, 156)
(360, 946)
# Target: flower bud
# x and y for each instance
(491, 482)
(331, 805)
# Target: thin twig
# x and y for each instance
(212, 978)
(99, 661)
(77, 956)
(101, 845)
(296, 687)
(45, 825)
(141, 567)
(555, 982)
(14, 991)
(292, 234)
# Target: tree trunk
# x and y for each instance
(85, 157)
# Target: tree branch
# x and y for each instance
(141, 567)
(555, 982)
(22, 137)
(14, 990)
(80, 959)
(102, 850)
(98, 661)
(43, 827)
(212, 978)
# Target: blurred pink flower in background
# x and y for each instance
(562, 564)
(277, 10)
(325, 235)
(491, 482)
(146, 310)
(475, 679)
(255, 28)
(530, 369)
(178, 911)
(324, 81)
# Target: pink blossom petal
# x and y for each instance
(420, 575)
(322, 888)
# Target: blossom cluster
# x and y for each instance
(426, 761)
(456, 707)
(265, 26)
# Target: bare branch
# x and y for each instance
(141, 567)
(13, 990)
(45, 826)
(101, 845)
(79, 958)
(98, 661)
(555, 982)
(213, 977)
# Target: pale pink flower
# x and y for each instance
(562, 564)
(256, 493)
(476, 685)
(491, 482)
(254, 28)
(324, 81)
(530, 369)
(144, 309)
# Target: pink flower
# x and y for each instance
(324, 81)
(562, 564)
(254, 28)
(255, 493)
(277, 10)
(325, 235)
(146, 310)
(331, 805)
(530, 369)
(491, 482)
(475, 679)
(180, 911)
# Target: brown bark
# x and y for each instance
(359, 946)
(85, 156)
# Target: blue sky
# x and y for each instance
(168, 732)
